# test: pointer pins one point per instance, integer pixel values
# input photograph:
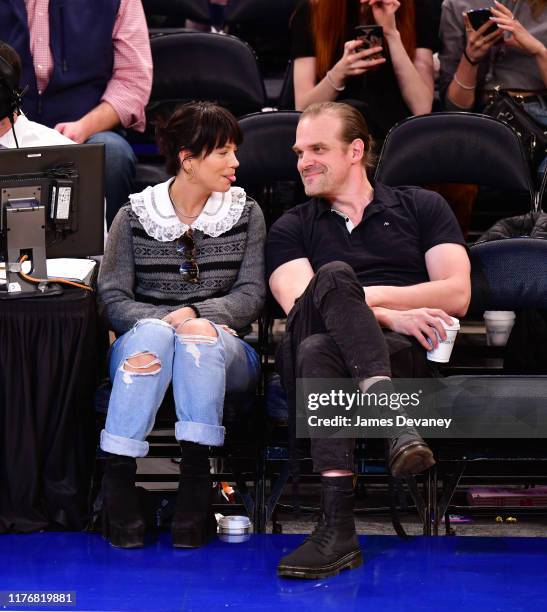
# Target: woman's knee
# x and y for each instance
(198, 328)
(156, 327)
(142, 363)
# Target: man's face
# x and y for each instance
(324, 161)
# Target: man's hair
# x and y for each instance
(11, 57)
(353, 126)
(198, 127)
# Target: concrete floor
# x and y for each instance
(378, 523)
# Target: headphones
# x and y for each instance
(10, 94)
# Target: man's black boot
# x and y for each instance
(407, 452)
(122, 519)
(194, 522)
(333, 545)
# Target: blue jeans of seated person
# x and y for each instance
(120, 167)
(201, 368)
(538, 110)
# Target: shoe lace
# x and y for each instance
(320, 535)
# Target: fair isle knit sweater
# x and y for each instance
(139, 276)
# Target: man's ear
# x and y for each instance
(357, 150)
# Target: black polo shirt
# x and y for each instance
(386, 248)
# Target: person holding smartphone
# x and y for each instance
(513, 57)
(331, 63)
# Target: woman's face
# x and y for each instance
(216, 171)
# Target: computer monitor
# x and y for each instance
(51, 204)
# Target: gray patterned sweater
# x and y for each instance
(139, 276)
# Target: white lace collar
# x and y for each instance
(155, 211)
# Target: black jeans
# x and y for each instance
(332, 333)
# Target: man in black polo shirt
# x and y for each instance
(366, 274)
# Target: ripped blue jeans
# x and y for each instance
(201, 368)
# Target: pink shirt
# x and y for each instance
(128, 90)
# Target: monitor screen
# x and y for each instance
(68, 180)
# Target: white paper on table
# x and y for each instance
(70, 268)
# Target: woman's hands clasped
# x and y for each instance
(179, 316)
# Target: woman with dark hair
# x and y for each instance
(183, 268)
(330, 64)
(513, 56)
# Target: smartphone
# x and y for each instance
(372, 36)
(478, 17)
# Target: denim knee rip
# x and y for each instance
(128, 374)
(192, 341)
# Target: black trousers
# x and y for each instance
(332, 333)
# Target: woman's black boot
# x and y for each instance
(123, 522)
(194, 522)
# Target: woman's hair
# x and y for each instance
(328, 24)
(353, 126)
(198, 127)
(537, 6)
(10, 55)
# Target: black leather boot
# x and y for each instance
(194, 522)
(333, 545)
(407, 452)
(122, 519)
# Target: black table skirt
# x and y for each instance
(48, 373)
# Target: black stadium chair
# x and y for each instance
(507, 274)
(196, 10)
(455, 148)
(260, 11)
(267, 161)
(462, 148)
(264, 24)
(205, 66)
(286, 97)
(198, 66)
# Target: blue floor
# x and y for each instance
(434, 574)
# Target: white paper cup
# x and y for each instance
(443, 351)
(499, 324)
(234, 529)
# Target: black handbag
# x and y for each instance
(532, 134)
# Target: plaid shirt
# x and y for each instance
(129, 87)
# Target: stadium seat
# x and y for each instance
(455, 148)
(215, 67)
(196, 10)
(260, 11)
(205, 66)
(267, 163)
